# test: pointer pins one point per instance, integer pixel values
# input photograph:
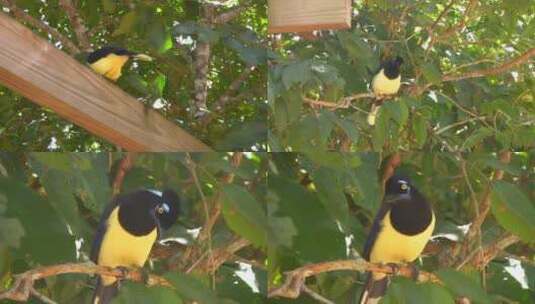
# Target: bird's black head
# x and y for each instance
(392, 68)
(168, 210)
(140, 212)
(398, 186)
(107, 50)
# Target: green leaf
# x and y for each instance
(46, 239)
(397, 110)
(296, 73)
(136, 293)
(431, 73)
(335, 160)
(128, 21)
(477, 137)
(405, 291)
(419, 129)
(380, 130)
(330, 189)
(461, 285)
(513, 210)
(109, 6)
(190, 288)
(11, 232)
(244, 215)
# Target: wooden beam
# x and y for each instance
(47, 76)
(308, 15)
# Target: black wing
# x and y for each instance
(374, 232)
(105, 51)
(101, 230)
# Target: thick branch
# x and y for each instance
(228, 16)
(22, 15)
(491, 251)
(295, 279)
(221, 255)
(77, 23)
(504, 67)
(23, 285)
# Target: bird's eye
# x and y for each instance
(160, 210)
(404, 187)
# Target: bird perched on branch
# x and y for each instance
(109, 60)
(128, 228)
(386, 81)
(399, 233)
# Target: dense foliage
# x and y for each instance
(169, 31)
(321, 205)
(50, 204)
(439, 41)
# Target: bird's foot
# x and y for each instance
(394, 268)
(414, 272)
(145, 276)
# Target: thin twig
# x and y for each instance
(193, 172)
(484, 206)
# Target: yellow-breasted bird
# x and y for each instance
(109, 60)
(386, 81)
(128, 228)
(399, 233)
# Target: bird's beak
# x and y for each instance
(142, 57)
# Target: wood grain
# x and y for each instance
(47, 76)
(308, 15)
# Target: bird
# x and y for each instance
(386, 81)
(128, 228)
(109, 60)
(399, 233)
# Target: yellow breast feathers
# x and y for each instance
(120, 248)
(394, 247)
(110, 66)
(381, 85)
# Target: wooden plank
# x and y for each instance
(42, 73)
(308, 15)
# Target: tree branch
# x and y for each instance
(491, 251)
(343, 103)
(77, 23)
(484, 206)
(22, 15)
(221, 255)
(295, 279)
(228, 16)
(22, 288)
(127, 162)
(504, 67)
(227, 96)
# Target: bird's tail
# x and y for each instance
(372, 116)
(105, 293)
(374, 290)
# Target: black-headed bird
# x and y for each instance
(386, 81)
(399, 233)
(109, 61)
(128, 228)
